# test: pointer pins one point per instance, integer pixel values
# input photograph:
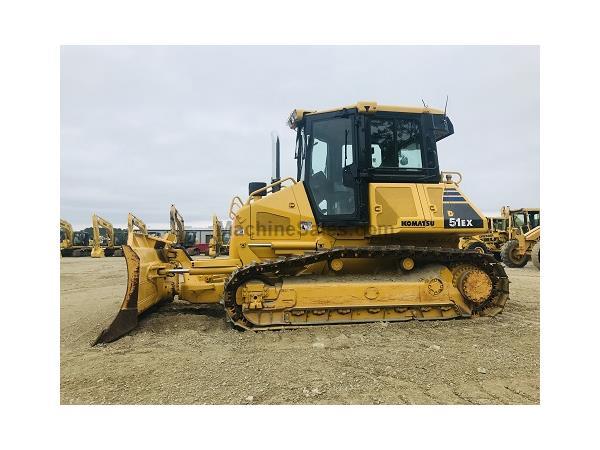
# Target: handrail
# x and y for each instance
(255, 193)
(240, 203)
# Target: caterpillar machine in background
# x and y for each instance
(510, 238)
(523, 232)
(66, 234)
(135, 225)
(110, 249)
(367, 231)
(187, 240)
(217, 245)
(177, 225)
(490, 242)
(73, 243)
(523, 248)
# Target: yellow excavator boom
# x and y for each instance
(97, 223)
(135, 225)
(177, 225)
(67, 229)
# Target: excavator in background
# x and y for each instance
(110, 249)
(367, 231)
(66, 234)
(177, 226)
(217, 245)
(73, 243)
(135, 225)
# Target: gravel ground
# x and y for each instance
(184, 354)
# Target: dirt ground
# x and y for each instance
(190, 355)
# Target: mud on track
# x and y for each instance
(188, 354)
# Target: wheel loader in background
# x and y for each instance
(367, 231)
(73, 243)
(523, 232)
(110, 249)
(517, 251)
(504, 238)
(490, 242)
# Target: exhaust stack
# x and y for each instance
(276, 164)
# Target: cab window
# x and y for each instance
(534, 220)
(396, 144)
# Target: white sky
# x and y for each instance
(143, 127)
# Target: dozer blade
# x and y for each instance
(144, 288)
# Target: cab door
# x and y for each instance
(331, 169)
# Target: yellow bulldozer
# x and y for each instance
(110, 248)
(366, 231)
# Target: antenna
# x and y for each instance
(446, 107)
(424, 103)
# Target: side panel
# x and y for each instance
(395, 207)
(459, 213)
(275, 216)
(422, 208)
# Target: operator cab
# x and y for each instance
(340, 152)
(81, 238)
(526, 219)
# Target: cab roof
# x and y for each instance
(365, 107)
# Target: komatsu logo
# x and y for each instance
(417, 223)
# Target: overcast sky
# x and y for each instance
(144, 127)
